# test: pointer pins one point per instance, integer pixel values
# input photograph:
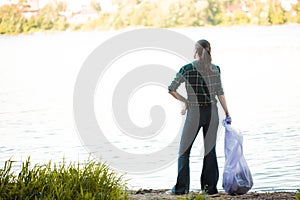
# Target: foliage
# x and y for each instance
(10, 20)
(50, 18)
(193, 196)
(92, 180)
(214, 12)
(151, 13)
(13, 22)
(276, 13)
(96, 5)
(298, 195)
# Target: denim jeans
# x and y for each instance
(206, 118)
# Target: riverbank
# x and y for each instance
(161, 194)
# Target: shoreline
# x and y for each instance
(149, 194)
(53, 32)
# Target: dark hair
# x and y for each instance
(206, 45)
(203, 50)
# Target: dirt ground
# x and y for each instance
(161, 194)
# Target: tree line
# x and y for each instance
(152, 13)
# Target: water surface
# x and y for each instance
(260, 73)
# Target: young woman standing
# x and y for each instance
(203, 86)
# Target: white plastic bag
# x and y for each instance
(237, 178)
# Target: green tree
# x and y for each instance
(240, 17)
(184, 13)
(138, 16)
(256, 10)
(159, 13)
(96, 5)
(50, 17)
(124, 13)
(296, 12)
(214, 12)
(276, 12)
(46, 19)
(30, 25)
(11, 20)
(152, 13)
(297, 9)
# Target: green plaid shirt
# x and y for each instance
(201, 89)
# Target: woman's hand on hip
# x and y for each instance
(184, 108)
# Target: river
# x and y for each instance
(260, 73)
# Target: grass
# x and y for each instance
(92, 180)
(298, 194)
(193, 196)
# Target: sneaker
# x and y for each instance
(212, 192)
(214, 195)
(170, 192)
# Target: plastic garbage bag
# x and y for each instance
(237, 178)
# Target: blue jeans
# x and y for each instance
(206, 118)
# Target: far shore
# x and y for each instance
(50, 32)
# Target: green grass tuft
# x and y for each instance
(298, 194)
(194, 196)
(92, 180)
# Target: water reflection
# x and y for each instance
(260, 69)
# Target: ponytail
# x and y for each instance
(204, 52)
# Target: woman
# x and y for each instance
(203, 85)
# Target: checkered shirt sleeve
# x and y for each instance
(201, 88)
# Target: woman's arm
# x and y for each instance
(179, 97)
(224, 104)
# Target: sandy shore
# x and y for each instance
(161, 194)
